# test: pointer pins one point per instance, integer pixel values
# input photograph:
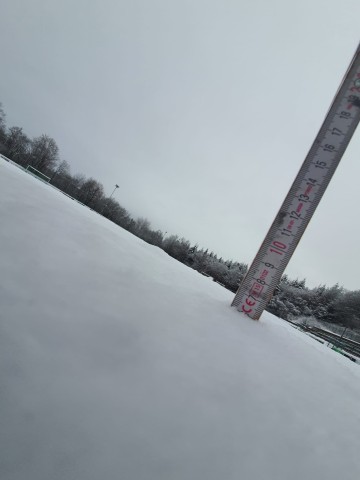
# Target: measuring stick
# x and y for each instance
(265, 272)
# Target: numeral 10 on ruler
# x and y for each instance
(324, 156)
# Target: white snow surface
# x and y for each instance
(120, 363)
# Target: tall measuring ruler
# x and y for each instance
(304, 196)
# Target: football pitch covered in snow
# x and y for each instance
(120, 363)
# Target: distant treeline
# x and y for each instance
(293, 298)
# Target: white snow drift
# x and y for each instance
(120, 363)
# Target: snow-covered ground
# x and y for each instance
(120, 363)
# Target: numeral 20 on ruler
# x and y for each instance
(265, 272)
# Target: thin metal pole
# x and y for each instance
(106, 204)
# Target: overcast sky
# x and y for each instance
(202, 111)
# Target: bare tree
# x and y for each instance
(142, 226)
(17, 145)
(44, 153)
(2, 128)
(112, 210)
(347, 309)
(61, 178)
(74, 187)
(91, 192)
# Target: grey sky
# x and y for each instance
(202, 111)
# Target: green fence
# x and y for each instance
(39, 174)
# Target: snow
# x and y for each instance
(118, 362)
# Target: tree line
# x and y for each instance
(292, 300)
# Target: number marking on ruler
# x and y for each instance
(304, 196)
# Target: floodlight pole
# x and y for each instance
(116, 186)
(112, 193)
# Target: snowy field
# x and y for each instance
(120, 363)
